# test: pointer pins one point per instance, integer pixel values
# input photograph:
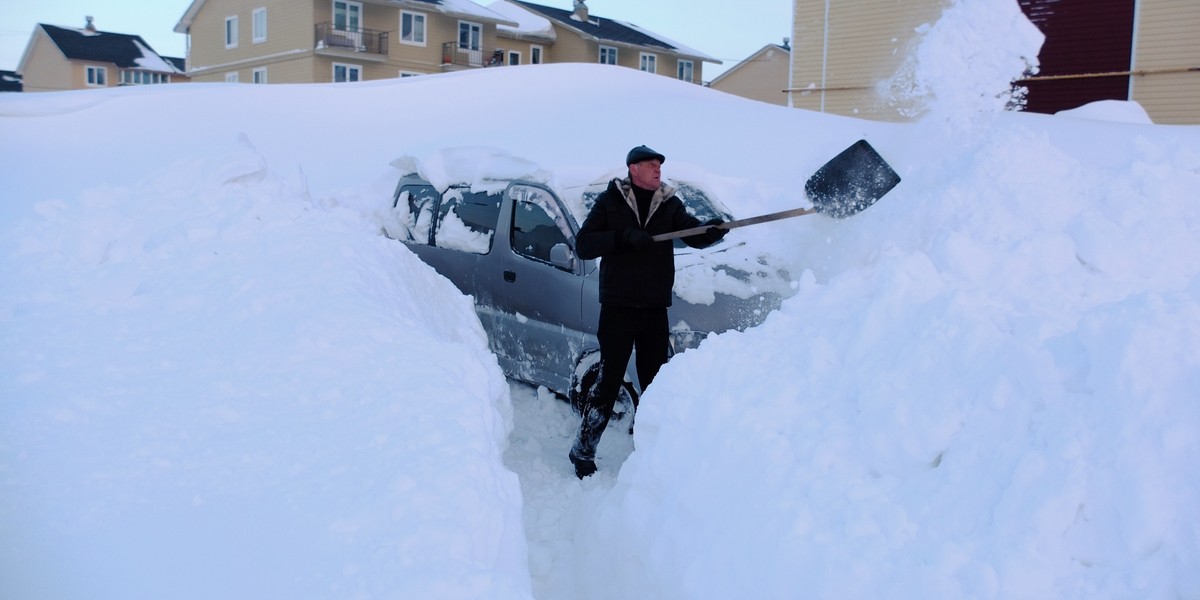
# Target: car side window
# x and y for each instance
(467, 220)
(421, 201)
(537, 224)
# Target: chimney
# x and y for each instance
(581, 11)
(91, 23)
(787, 43)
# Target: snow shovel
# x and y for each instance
(846, 185)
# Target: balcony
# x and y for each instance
(340, 40)
(453, 56)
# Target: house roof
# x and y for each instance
(10, 81)
(611, 30)
(786, 49)
(123, 50)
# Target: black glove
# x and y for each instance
(714, 233)
(636, 239)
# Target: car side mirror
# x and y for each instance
(561, 257)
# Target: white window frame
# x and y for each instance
(258, 25)
(536, 53)
(96, 76)
(354, 15)
(357, 69)
(135, 77)
(231, 77)
(258, 75)
(231, 32)
(474, 32)
(512, 58)
(686, 65)
(610, 53)
(648, 62)
(420, 28)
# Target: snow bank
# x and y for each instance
(216, 387)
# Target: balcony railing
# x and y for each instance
(467, 57)
(351, 40)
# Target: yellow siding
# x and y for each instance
(868, 41)
(45, 68)
(763, 77)
(290, 55)
(1168, 43)
(289, 33)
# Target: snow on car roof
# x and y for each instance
(483, 168)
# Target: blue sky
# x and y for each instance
(727, 31)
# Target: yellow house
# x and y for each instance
(307, 41)
(1142, 50)
(320, 41)
(762, 76)
(62, 58)
(555, 35)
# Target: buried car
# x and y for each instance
(497, 227)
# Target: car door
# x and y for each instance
(537, 286)
(453, 232)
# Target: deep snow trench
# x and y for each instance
(543, 429)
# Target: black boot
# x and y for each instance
(583, 467)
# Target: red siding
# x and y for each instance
(1082, 37)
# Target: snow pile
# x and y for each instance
(997, 398)
(214, 387)
(964, 63)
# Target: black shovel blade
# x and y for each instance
(851, 181)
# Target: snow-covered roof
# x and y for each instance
(10, 81)
(123, 50)
(679, 48)
(529, 24)
(470, 9)
(603, 29)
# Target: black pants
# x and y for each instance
(621, 329)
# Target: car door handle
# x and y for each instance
(510, 276)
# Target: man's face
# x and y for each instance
(646, 174)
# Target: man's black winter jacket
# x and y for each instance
(629, 277)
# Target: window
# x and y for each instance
(343, 72)
(467, 221)
(258, 22)
(260, 75)
(649, 63)
(608, 55)
(347, 16)
(421, 201)
(535, 231)
(231, 77)
(404, 74)
(231, 32)
(129, 77)
(97, 76)
(535, 55)
(412, 28)
(470, 35)
(514, 57)
(685, 70)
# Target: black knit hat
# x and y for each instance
(641, 153)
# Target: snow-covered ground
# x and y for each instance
(219, 380)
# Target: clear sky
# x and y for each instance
(726, 30)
